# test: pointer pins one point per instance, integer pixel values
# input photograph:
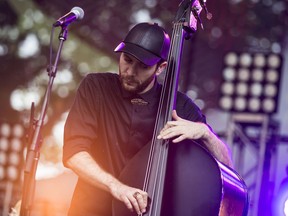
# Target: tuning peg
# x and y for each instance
(195, 11)
(203, 5)
(208, 14)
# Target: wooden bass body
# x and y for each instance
(196, 184)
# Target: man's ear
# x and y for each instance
(161, 68)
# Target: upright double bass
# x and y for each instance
(183, 179)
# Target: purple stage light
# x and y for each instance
(281, 200)
(286, 207)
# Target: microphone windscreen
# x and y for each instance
(79, 12)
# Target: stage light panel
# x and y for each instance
(254, 104)
(272, 76)
(242, 89)
(11, 151)
(2, 173)
(240, 103)
(245, 59)
(259, 60)
(4, 144)
(270, 90)
(268, 105)
(3, 158)
(14, 159)
(250, 82)
(243, 74)
(257, 75)
(274, 61)
(228, 88)
(256, 89)
(5, 130)
(231, 59)
(12, 173)
(16, 144)
(226, 103)
(229, 74)
(18, 130)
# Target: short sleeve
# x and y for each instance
(187, 109)
(80, 129)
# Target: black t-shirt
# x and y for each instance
(112, 125)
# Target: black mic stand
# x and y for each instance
(34, 143)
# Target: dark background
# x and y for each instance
(238, 25)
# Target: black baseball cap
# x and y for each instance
(148, 42)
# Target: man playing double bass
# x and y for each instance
(113, 117)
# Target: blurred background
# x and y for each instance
(236, 71)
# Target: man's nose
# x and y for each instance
(131, 70)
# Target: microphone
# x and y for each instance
(76, 13)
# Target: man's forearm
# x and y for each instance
(219, 149)
(89, 170)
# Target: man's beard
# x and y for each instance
(135, 86)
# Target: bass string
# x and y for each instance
(158, 127)
(156, 167)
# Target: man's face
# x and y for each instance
(135, 76)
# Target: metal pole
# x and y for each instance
(262, 150)
(7, 197)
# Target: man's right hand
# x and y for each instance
(89, 170)
(133, 198)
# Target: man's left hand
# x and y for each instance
(183, 129)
